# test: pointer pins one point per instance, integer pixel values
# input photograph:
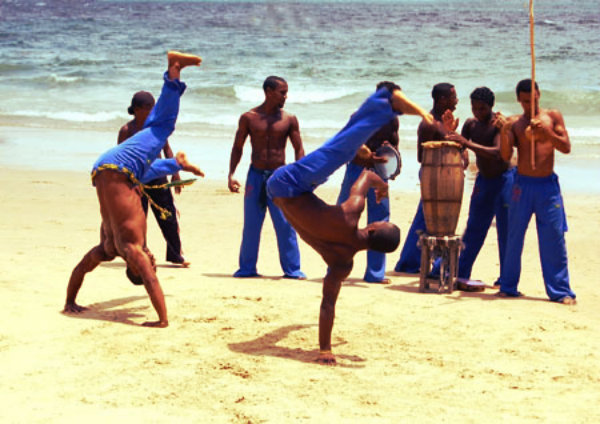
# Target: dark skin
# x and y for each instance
(481, 135)
(388, 134)
(123, 228)
(332, 230)
(549, 132)
(269, 128)
(443, 125)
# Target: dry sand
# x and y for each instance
(242, 350)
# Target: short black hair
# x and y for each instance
(525, 86)
(484, 94)
(385, 238)
(140, 99)
(440, 90)
(391, 86)
(273, 82)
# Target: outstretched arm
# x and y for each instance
(331, 288)
(236, 152)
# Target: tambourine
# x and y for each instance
(391, 168)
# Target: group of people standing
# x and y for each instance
(133, 168)
(488, 134)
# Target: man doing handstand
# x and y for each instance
(333, 230)
(119, 175)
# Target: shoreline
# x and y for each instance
(76, 150)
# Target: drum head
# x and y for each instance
(391, 168)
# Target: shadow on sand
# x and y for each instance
(105, 311)
(267, 346)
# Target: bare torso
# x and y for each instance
(484, 134)
(544, 147)
(268, 136)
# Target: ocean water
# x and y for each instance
(68, 69)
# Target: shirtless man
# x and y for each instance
(332, 230)
(118, 175)
(444, 103)
(536, 190)
(269, 127)
(376, 211)
(492, 188)
(162, 198)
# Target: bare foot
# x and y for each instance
(326, 358)
(181, 159)
(73, 308)
(401, 103)
(568, 300)
(157, 324)
(178, 61)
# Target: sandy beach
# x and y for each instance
(243, 350)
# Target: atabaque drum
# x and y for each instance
(442, 184)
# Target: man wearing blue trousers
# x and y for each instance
(492, 189)
(444, 103)
(119, 175)
(332, 230)
(536, 191)
(269, 127)
(375, 271)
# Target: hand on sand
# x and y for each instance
(156, 324)
(73, 308)
(326, 358)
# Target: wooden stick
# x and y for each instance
(533, 90)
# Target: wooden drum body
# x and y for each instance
(442, 183)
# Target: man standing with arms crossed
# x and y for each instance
(269, 127)
(536, 190)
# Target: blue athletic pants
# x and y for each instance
(542, 197)
(312, 170)
(490, 198)
(138, 154)
(256, 203)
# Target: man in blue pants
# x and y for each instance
(536, 191)
(119, 175)
(444, 103)
(162, 198)
(333, 230)
(493, 185)
(269, 128)
(375, 271)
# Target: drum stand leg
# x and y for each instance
(446, 249)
